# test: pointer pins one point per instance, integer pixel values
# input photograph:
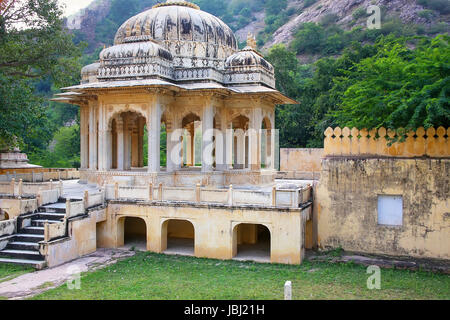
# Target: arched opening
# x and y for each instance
(128, 141)
(178, 237)
(3, 215)
(266, 144)
(240, 142)
(135, 233)
(251, 242)
(192, 141)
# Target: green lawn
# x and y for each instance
(10, 271)
(154, 276)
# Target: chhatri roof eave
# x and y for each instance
(75, 91)
(260, 89)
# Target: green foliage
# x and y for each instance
(303, 125)
(20, 112)
(162, 148)
(150, 276)
(274, 7)
(309, 38)
(441, 6)
(64, 151)
(426, 14)
(359, 13)
(399, 86)
(43, 50)
(291, 120)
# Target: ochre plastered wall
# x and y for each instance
(300, 163)
(81, 240)
(347, 198)
(213, 226)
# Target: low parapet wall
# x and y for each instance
(304, 164)
(38, 175)
(433, 143)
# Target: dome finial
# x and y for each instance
(177, 3)
(251, 41)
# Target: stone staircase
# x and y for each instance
(23, 247)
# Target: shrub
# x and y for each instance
(441, 6)
(426, 14)
(359, 13)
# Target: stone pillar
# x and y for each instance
(134, 131)
(229, 137)
(127, 143)
(154, 132)
(240, 149)
(109, 148)
(92, 137)
(170, 157)
(120, 144)
(272, 149)
(103, 133)
(254, 140)
(221, 145)
(84, 134)
(141, 141)
(207, 137)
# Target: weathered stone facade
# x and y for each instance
(358, 172)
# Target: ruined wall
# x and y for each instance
(300, 163)
(347, 205)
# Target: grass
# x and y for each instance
(46, 285)
(154, 276)
(11, 271)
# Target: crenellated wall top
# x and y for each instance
(384, 142)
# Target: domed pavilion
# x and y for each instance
(175, 71)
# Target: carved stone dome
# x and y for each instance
(248, 57)
(135, 50)
(182, 28)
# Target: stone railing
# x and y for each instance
(74, 208)
(283, 198)
(54, 231)
(45, 192)
(433, 143)
(8, 227)
(65, 174)
(94, 199)
(48, 196)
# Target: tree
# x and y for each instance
(292, 120)
(399, 86)
(33, 45)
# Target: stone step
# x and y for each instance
(23, 237)
(33, 230)
(58, 207)
(38, 264)
(55, 216)
(41, 222)
(21, 254)
(22, 245)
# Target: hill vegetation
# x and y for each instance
(341, 72)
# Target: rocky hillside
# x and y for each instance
(349, 13)
(97, 23)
